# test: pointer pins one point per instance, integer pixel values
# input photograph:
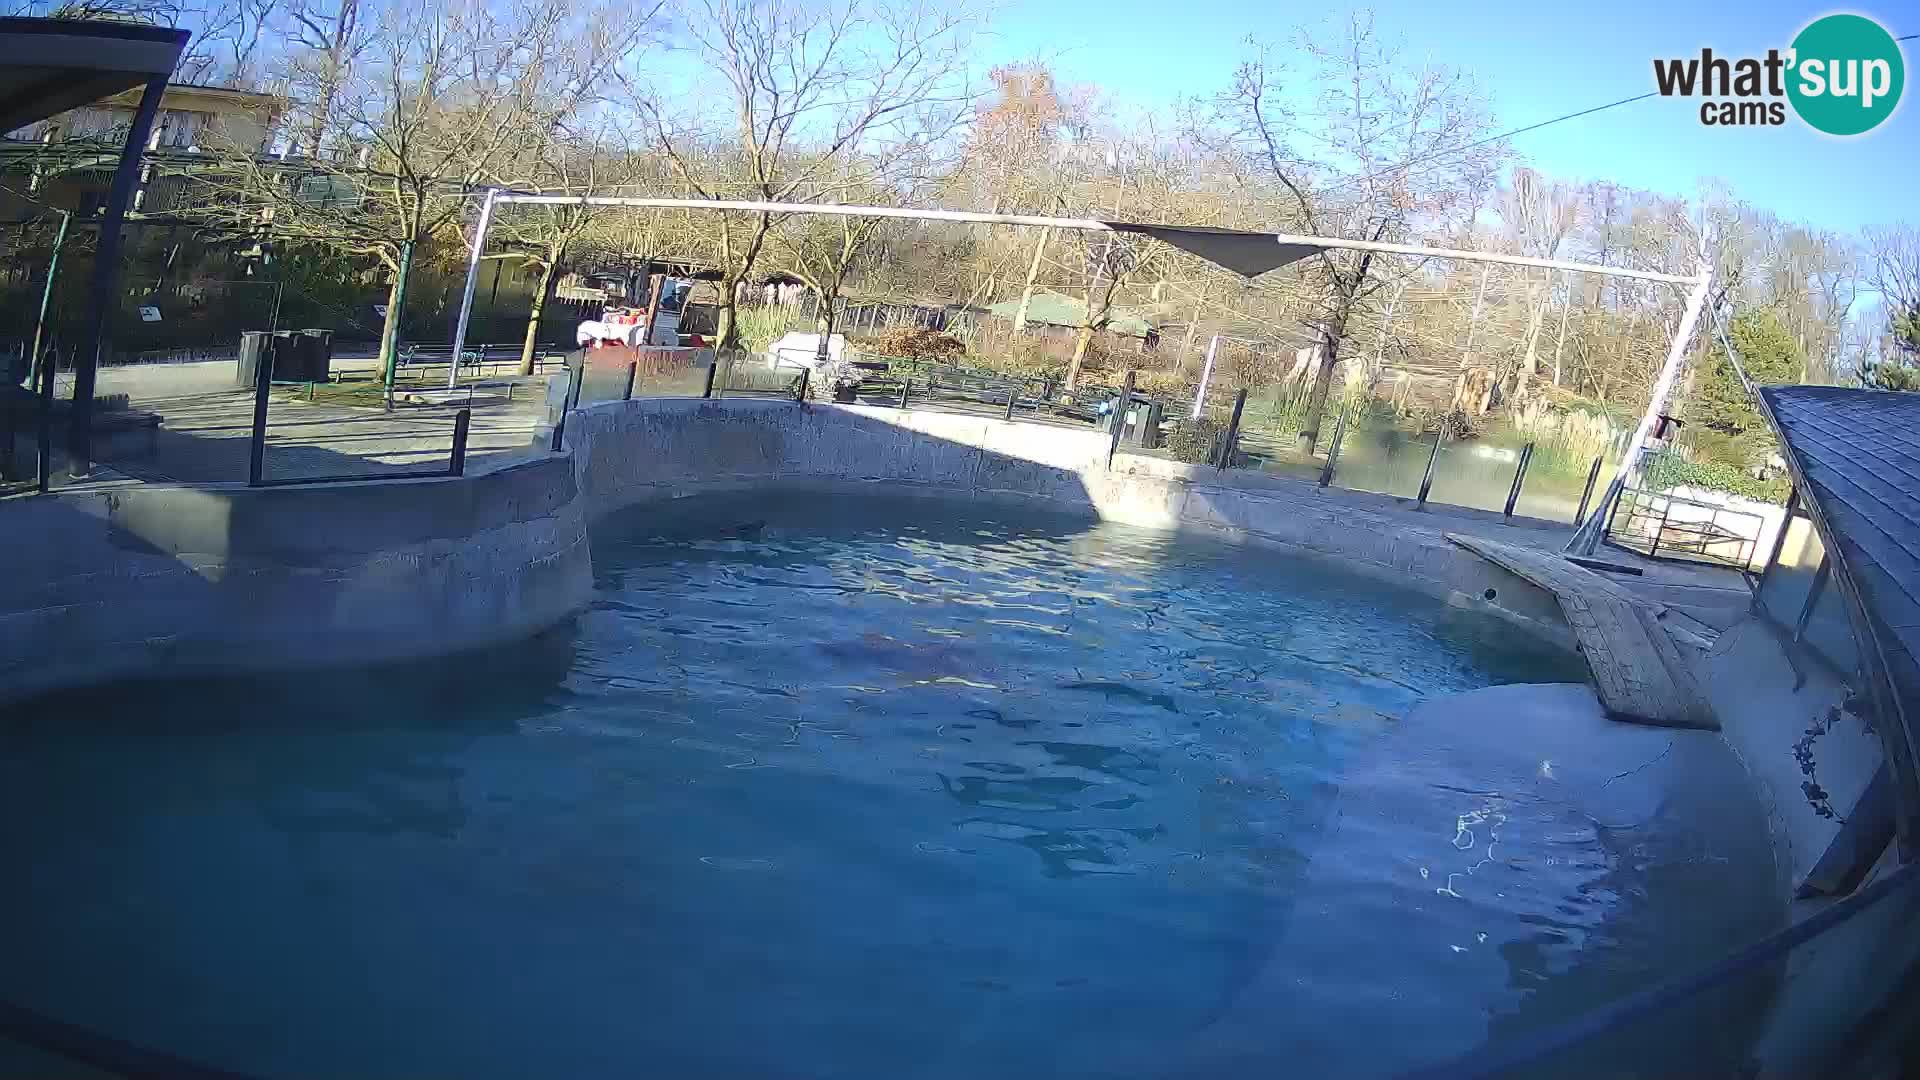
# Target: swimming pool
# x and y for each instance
(849, 787)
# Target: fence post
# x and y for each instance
(1519, 477)
(1426, 481)
(457, 461)
(713, 369)
(800, 394)
(47, 365)
(1660, 528)
(1333, 451)
(257, 446)
(575, 376)
(1118, 422)
(633, 368)
(906, 383)
(1233, 431)
(1593, 475)
(1013, 395)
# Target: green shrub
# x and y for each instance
(1193, 441)
(1667, 471)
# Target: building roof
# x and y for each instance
(1859, 453)
(1855, 458)
(1052, 309)
(58, 64)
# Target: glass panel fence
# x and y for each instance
(1784, 591)
(1805, 1002)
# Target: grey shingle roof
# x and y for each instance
(1858, 452)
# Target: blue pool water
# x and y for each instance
(849, 788)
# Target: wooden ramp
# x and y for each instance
(1637, 667)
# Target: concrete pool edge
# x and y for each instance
(149, 580)
(629, 453)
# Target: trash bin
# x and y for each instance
(255, 346)
(289, 349)
(319, 355)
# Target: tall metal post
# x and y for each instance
(45, 464)
(457, 459)
(633, 368)
(1519, 478)
(1206, 376)
(1333, 451)
(1119, 419)
(1587, 537)
(466, 293)
(46, 291)
(1233, 431)
(257, 442)
(713, 368)
(1586, 493)
(1426, 481)
(1821, 575)
(105, 294)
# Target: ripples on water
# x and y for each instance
(812, 792)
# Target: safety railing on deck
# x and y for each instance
(1657, 524)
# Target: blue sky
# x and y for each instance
(1536, 62)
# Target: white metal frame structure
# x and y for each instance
(1246, 252)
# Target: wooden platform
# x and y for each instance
(1637, 667)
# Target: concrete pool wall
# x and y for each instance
(631, 452)
(146, 580)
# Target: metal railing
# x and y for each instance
(1660, 525)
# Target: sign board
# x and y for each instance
(149, 314)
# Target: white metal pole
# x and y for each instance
(466, 295)
(1084, 224)
(1206, 376)
(1588, 535)
(1669, 374)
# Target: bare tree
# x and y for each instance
(1383, 160)
(438, 99)
(1894, 254)
(809, 86)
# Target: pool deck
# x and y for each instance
(1637, 666)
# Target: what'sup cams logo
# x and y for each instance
(1842, 75)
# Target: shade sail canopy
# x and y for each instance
(1248, 253)
(53, 65)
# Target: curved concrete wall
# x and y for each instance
(148, 580)
(629, 452)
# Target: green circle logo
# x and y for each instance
(1846, 74)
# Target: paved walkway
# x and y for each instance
(206, 424)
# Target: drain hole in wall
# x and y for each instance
(1489, 594)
